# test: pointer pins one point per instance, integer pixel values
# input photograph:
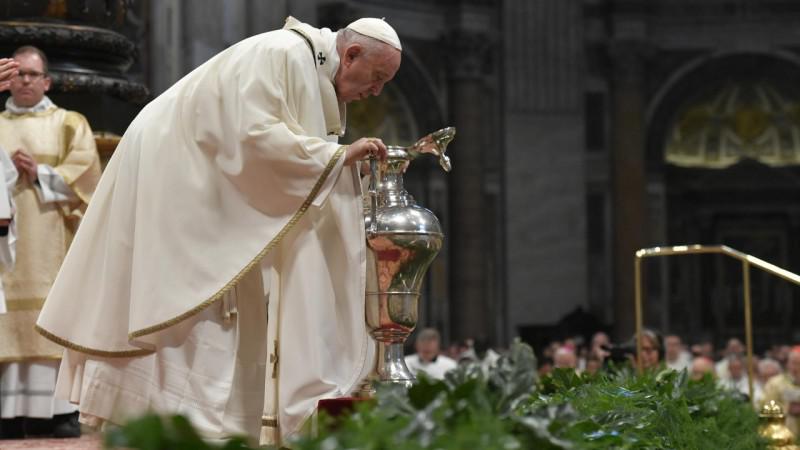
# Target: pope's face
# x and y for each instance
(363, 74)
(29, 86)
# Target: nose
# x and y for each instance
(377, 88)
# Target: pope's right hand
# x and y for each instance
(363, 148)
(8, 70)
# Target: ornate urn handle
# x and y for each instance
(436, 144)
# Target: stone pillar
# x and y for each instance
(628, 176)
(469, 249)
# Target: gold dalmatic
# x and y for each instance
(63, 140)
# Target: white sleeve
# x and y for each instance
(10, 173)
(8, 242)
(51, 187)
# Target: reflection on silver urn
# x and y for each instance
(403, 238)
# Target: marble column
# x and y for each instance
(628, 176)
(469, 249)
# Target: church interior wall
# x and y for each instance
(535, 87)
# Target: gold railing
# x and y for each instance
(747, 261)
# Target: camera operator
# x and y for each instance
(652, 350)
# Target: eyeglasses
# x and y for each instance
(33, 75)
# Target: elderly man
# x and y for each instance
(765, 370)
(54, 152)
(227, 200)
(737, 378)
(785, 390)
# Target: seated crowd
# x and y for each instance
(776, 371)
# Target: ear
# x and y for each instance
(47, 82)
(352, 52)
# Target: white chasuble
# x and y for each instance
(234, 163)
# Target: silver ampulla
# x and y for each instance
(403, 238)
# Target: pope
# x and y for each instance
(219, 271)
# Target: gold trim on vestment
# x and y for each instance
(90, 351)
(37, 358)
(163, 325)
(24, 304)
(277, 239)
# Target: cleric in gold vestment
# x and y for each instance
(59, 167)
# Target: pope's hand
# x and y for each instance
(363, 148)
(8, 70)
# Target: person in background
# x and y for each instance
(734, 347)
(737, 379)
(784, 389)
(593, 365)
(652, 349)
(765, 370)
(8, 236)
(565, 358)
(599, 345)
(675, 356)
(428, 357)
(702, 366)
(54, 151)
(704, 348)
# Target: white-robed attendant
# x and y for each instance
(8, 70)
(8, 226)
(229, 196)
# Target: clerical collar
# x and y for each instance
(326, 59)
(432, 361)
(43, 105)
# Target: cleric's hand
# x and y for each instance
(363, 148)
(25, 164)
(8, 70)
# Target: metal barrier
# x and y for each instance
(747, 261)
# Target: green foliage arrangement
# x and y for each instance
(507, 407)
(663, 410)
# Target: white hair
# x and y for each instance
(769, 363)
(346, 36)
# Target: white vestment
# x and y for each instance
(236, 162)
(434, 369)
(7, 242)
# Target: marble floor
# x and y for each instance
(86, 442)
